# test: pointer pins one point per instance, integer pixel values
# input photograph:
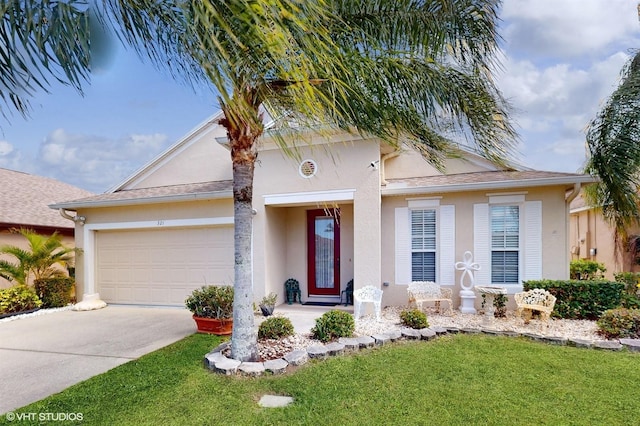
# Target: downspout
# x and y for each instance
(383, 159)
(75, 219)
(576, 190)
(568, 199)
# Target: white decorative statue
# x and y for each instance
(467, 296)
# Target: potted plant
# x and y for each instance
(268, 304)
(212, 309)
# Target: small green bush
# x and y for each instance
(577, 299)
(499, 305)
(630, 281)
(584, 269)
(275, 328)
(55, 292)
(17, 299)
(414, 318)
(622, 322)
(333, 324)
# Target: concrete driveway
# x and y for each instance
(42, 355)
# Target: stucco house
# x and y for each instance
(347, 208)
(25, 199)
(592, 237)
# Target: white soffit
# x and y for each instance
(308, 197)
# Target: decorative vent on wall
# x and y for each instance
(308, 168)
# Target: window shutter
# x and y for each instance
(403, 246)
(481, 247)
(447, 246)
(532, 241)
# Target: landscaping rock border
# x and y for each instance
(219, 363)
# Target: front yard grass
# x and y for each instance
(458, 379)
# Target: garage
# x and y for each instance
(161, 266)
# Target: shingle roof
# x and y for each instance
(481, 180)
(159, 194)
(25, 199)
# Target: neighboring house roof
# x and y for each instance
(25, 200)
(162, 194)
(498, 179)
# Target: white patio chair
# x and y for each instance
(367, 294)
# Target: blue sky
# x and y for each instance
(561, 59)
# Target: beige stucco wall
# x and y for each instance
(202, 159)
(412, 164)
(555, 260)
(589, 231)
(341, 165)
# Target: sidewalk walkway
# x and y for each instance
(303, 317)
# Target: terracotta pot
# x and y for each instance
(220, 327)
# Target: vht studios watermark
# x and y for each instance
(45, 417)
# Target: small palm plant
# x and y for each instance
(37, 261)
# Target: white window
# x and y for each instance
(505, 244)
(423, 245)
(507, 241)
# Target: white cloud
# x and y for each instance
(10, 158)
(5, 148)
(94, 162)
(569, 28)
(562, 61)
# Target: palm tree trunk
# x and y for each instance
(244, 339)
(243, 129)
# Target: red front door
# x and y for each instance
(323, 238)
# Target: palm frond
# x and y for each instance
(41, 41)
(613, 141)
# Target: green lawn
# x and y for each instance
(459, 379)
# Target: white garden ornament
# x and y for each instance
(467, 296)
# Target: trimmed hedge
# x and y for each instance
(580, 299)
(55, 292)
(18, 298)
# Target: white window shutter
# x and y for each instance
(481, 243)
(403, 246)
(532, 269)
(447, 245)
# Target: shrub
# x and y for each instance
(275, 328)
(584, 269)
(211, 301)
(54, 292)
(499, 304)
(333, 324)
(630, 281)
(622, 322)
(580, 299)
(414, 318)
(17, 299)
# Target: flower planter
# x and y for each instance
(220, 327)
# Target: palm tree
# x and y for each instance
(613, 141)
(41, 41)
(38, 260)
(402, 70)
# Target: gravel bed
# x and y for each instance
(390, 321)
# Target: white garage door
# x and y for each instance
(161, 267)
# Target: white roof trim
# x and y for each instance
(309, 197)
(160, 159)
(479, 186)
(73, 205)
